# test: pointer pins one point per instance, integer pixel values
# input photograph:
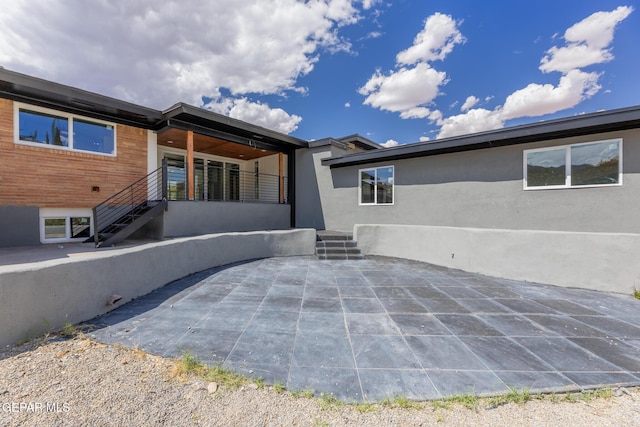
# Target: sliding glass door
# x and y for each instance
(176, 177)
(213, 179)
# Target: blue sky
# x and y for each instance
(396, 72)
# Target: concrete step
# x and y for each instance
(325, 235)
(336, 245)
(340, 257)
(327, 251)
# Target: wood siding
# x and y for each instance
(53, 178)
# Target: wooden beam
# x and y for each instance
(190, 169)
(281, 177)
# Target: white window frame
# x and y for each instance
(375, 193)
(567, 182)
(66, 214)
(70, 117)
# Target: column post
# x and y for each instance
(190, 169)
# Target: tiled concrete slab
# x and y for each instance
(380, 384)
(379, 328)
(333, 351)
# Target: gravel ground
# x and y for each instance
(79, 382)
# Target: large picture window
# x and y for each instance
(40, 126)
(591, 164)
(376, 186)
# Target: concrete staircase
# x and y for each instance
(336, 245)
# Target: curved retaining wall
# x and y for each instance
(39, 297)
(601, 261)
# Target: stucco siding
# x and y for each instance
(188, 218)
(19, 226)
(484, 189)
(599, 261)
(44, 296)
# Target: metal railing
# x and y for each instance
(149, 189)
(228, 184)
(170, 182)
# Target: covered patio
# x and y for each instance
(216, 158)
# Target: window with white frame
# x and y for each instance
(376, 186)
(591, 164)
(60, 225)
(41, 126)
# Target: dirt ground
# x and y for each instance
(79, 382)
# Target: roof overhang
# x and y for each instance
(360, 141)
(32, 90)
(187, 117)
(44, 93)
(605, 121)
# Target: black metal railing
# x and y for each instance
(171, 182)
(228, 184)
(117, 208)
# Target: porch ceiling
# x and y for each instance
(177, 138)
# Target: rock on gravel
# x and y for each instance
(79, 382)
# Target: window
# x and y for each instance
(41, 126)
(592, 164)
(215, 171)
(96, 137)
(232, 181)
(55, 228)
(376, 186)
(58, 226)
(176, 177)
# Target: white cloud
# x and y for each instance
(469, 103)
(347, 104)
(390, 143)
(537, 100)
(415, 84)
(373, 35)
(416, 113)
(256, 113)
(424, 139)
(368, 4)
(476, 120)
(532, 101)
(436, 40)
(157, 53)
(403, 90)
(587, 42)
(435, 116)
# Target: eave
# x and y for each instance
(600, 122)
(32, 90)
(187, 117)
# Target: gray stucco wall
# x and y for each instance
(469, 210)
(19, 226)
(315, 193)
(44, 296)
(484, 189)
(311, 176)
(193, 218)
(600, 261)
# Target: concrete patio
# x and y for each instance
(382, 327)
